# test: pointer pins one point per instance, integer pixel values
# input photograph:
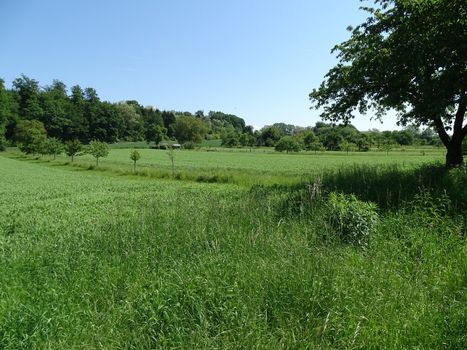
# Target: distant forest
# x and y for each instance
(79, 114)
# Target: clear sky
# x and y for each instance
(258, 59)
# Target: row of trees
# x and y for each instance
(79, 114)
(286, 137)
(32, 139)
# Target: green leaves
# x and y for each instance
(410, 56)
(289, 144)
(352, 220)
(73, 148)
(189, 128)
(54, 146)
(98, 149)
(134, 156)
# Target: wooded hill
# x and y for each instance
(79, 114)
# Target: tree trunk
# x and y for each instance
(454, 157)
(453, 144)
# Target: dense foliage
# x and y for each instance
(352, 221)
(30, 114)
(79, 114)
(410, 56)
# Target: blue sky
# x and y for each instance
(256, 59)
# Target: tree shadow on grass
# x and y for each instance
(390, 187)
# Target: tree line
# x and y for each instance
(40, 120)
(329, 137)
(79, 114)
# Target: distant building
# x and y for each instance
(166, 145)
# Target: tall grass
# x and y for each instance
(391, 186)
(95, 261)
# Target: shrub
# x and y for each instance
(352, 220)
(2, 143)
(189, 145)
(434, 211)
(288, 144)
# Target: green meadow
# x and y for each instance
(247, 167)
(268, 161)
(114, 260)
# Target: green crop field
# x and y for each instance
(270, 162)
(260, 166)
(108, 260)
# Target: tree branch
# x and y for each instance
(443, 135)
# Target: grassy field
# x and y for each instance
(271, 162)
(106, 260)
(262, 166)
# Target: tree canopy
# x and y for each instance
(79, 114)
(189, 129)
(408, 56)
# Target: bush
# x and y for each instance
(288, 144)
(2, 143)
(352, 220)
(189, 145)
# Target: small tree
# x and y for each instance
(316, 146)
(288, 144)
(246, 139)
(308, 138)
(156, 134)
(230, 138)
(98, 149)
(53, 147)
(348, 146)
(134, 156)
(34, 145)
(73, 148)
(386, 146)
(363, 145)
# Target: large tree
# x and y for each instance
(55, 109)
(409, 56)
(30, 136)
(190, 129)
(27, 93)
